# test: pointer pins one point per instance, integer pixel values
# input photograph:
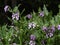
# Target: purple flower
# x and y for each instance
(32, 37)
(31, 25)
(6, 8)
(49, 35)
(52, 29)
(32, 42)
(29, 16)
(14, 44)
(43, 42)
(41, 14)
(58, 27)
(44, 28)
(15, 16)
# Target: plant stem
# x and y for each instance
(7, 43)
(20, 39)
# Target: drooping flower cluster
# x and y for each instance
(31, 25)
(32, 40)
(53, 29)
(49, 31)
(32, 37)
(41, 14)
(44, 28)
(29, 16)
(6, 8)
(15, 16)
(49, 35)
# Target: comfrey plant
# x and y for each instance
(39, 29)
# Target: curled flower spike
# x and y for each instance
(32, 42)
(29, 16)
(32, 37)
(58, 27)
(41, 14)
(6, 8)
(15, 16)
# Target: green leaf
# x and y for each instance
(59, 6)
(39, 10)
(15, 9)
(52, 21)
(45, 10)
(22, 11)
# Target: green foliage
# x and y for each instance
(45, 10)
(19, 33)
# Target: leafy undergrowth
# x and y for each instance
(33, 29)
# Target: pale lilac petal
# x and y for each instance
(51, 34)
(52, 29)
(32, 42)
(15, 16)
(6, 8)
(41, 14)
(29, 25)
(58, 27)
(29, 16)
(14, 44)
(32, 37)
(33, 24)
(44, 28)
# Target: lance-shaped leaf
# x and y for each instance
(45, 10)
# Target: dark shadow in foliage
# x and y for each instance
(29, 5)
(57, 41)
